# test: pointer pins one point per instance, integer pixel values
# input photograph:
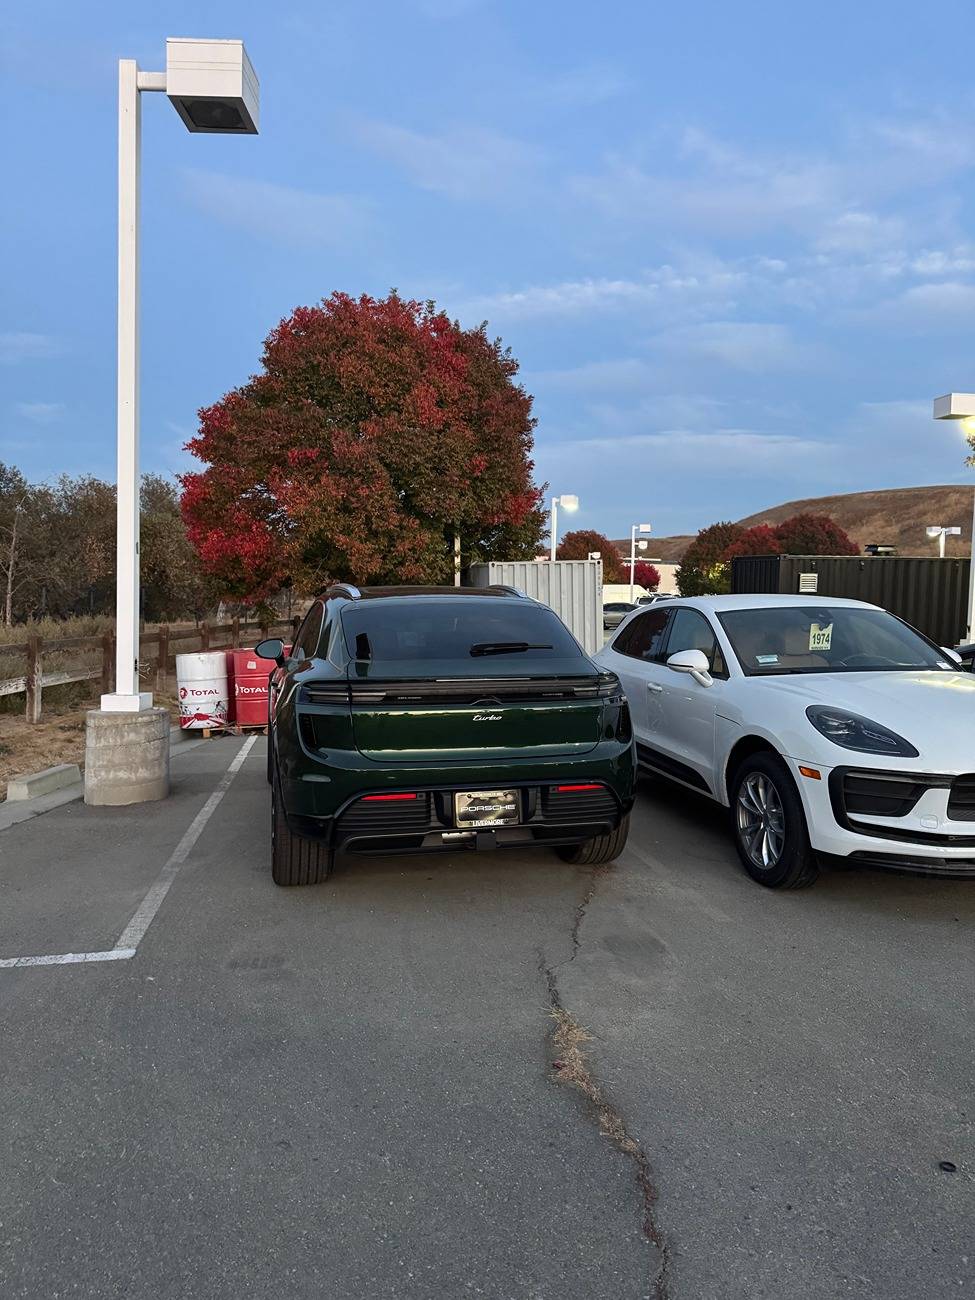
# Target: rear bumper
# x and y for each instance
(547, 818)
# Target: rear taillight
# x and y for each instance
(324, 693)
(609, 685)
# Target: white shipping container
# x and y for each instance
(573, 588)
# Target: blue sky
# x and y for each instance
(732, 245)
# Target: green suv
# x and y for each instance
(411, 719)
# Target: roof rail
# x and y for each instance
(340, 589)
(512, 591)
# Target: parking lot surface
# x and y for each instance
(353, 1090)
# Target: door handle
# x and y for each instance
(654, 689)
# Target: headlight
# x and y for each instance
(851, 731)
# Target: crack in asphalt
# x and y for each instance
(568, 1060)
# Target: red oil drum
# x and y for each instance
(247, 677)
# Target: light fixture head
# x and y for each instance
(644, 528)
(569, 502)
(933, 530)
(595, 555)
(212, 85)
(954, 406)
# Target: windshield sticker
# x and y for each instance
(820, 637)
(766, 659)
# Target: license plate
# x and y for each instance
(487, 808)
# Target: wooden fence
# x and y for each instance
(92, 658)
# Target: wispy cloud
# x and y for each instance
(281, 213)
(463, 162)
(739, 345)
(40, 412)
(17, 346)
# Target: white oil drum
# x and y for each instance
(201, 684)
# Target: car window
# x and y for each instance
(307, 636)
(826, 639)
(386, 631)
(692, 631)
(643, 636)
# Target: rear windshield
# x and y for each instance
(389, 631)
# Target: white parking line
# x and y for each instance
(133, 934)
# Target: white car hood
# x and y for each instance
(935, 711)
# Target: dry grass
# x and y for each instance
(568, 1041)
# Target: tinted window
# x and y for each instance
(643, 635)
(464, 628)
(826, 639)
(692, 631)
(306, 638)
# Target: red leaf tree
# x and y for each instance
(374, 429)
(814, 535)
(645, 575)
(577, 545)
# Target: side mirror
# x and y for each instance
(272, 648)
(953, 655)
(694, 662)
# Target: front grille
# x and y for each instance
(578, 805)
(961, 800)
(875, 794)
(381, 818)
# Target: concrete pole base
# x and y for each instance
(126, 756)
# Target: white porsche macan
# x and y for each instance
(830, 728)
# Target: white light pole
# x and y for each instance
(213, 87)
(961, 406)
(940, 532)
(637, 528)
(568, 502)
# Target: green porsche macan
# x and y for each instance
(413, 719)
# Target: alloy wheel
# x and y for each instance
(761, 820)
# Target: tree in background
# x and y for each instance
(645, 575)
(374, 430)
(577, 545)
(814, 535)
(760, 540)
(703, 570)
(57, 550)
(706, 566)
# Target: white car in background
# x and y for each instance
(829, 727)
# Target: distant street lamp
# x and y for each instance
(213, 87)
(637, 528)
(940, 532)
(568, 502)
(595, 555)
(961, 406)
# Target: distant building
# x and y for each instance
(879, 548)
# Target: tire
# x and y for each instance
(769, 825)
(602, 848)
(294, 860)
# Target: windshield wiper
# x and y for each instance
(505, 647)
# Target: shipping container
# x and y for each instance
(930, 594)
(573, 588)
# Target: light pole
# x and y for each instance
(940, 532)
(568, 502)
(637, 528)
(213, 87)
(961, 406)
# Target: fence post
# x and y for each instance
(108, 662)
(34, 679)
(237, 633)
(162, 660)
(205, 636)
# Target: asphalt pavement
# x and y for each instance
(354, 1090)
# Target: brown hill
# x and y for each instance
(895, 516)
